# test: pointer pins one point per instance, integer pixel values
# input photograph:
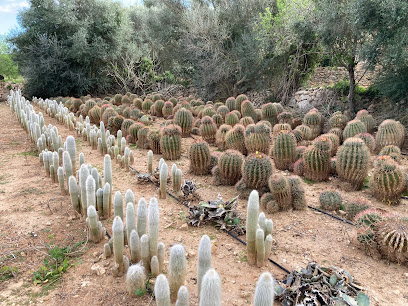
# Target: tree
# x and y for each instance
(8, 68)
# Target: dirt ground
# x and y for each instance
(34, 215)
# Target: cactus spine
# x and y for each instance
(162, 291)
(264, 291)
(135, 279)
(177, 270)
(204, 260)
(211, 289)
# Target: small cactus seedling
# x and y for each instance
(211, 289)
(162, 291)
(177, 269)
(356, 206)
(135, 279)
(265, 290)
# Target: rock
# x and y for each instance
(97, 269)
(184, 227)
(228, 246)
(244, 294)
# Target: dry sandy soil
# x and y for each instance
(34, 215)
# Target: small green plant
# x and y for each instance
(307, 181)
(7, 272)
(182, 216)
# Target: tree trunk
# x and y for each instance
(351, 95)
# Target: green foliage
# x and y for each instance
(7, 272)
(8, 68)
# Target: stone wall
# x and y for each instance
(306, 99)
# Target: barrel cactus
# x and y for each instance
(200, 158)
(238, 102)
(316, 160)
(281, 192)
(369, 140)
(230, 103)
(114, 124)
(158, 105)
(126, 124)
(390, 132)
(134, 129)
(256, 170)
(167, 109)
(353, 128)
(208, 129)
(352, 162)
(367, 119)
(338, 120)
(223, 111)
(279, 127)
(268, 203)
(184, 119)
(298, 192)
(231, 119)
(248, 110)
(220, 136)
(228, 170)
(392, 151)
(142, 141)
(245, 121)
(388, 180)
(284, 150)
(257, 138)
(285, 117)
(235, 139)
(154, 141)
(330, 200)
(306, 131)
(270, 113)
(356, 206)
(314, 120)
(146, 105)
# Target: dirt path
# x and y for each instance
(34, 214)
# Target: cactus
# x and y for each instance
(352, 162)
(134, 246)
(207, 111)
(154, 219)
(208, 129)
(177, 180)
(177, 270)
(238, 102)
(130, 219)
(313, 119)
(257, 138)
(154, 141)
(334, 140)
(248, 110)
(90, 194)
(229, 168)
(160, 255)
(338, 120)
(158, 105)
(265, 291)
(118, 241)
(245, 121)
(154, 265)
(260, 247)
(281, 191)
(356, 206)
(83, 175)
(204, 260)
(200, 158)
(251, 226)
(256, 170)
(162, 291)
(390, 132)
(211, 289)
(353, 128)
(392, 239)
(316, 160)
(268, 246)
(170, 142)
(268, 203)
(230, 103)
(144, 252)
(392, 151)
(135, 279)
(167, 109)
(182, 297)
(107, 176)
(218, 120)
(270, 113)
(106, 200)
(280, 127)
(134, 129)
(130, 197)
(118, 204)
(285, 117)
(61, 180)
(223, 111)
(126, 124)
(184, 119)
(96, 230)
(330, 200)
(367, 119)
(235, 139)
(150, 162)
(369, 140)
(220, 136)
(141, 217)
(306, 131)
(164, 172)
(142, 141)
(107, 114)
(146, 105)
(388, 180)
(73, 192)
(284, 150)
(298, 193)
(231, 119)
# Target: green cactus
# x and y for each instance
(134, 114)
(354, 207)
(218, 120)
(142, 141)
(285, 117)
(251, 226)
(338, 120)
(256, 170)
(268, 203)
(257, 138)
(208, 111)
(353, 128)
(154, 141)
(264, 291)
(306, 131)
(369, 140)
(204, 259)
(352, 162)
(330, 200)
(316, 160)
(162, 291)
(158, 105)
(390, 132)
(170, 142)
(284, 150)
(211, 289)
(280, 127)
(115, 123)
(270, 113)
(388, 180)
(298, 193)
(126, 124)
(238, 102)
(229, 168)
(208, 129)
(235, 139)
(200, 158)
(137, 102)
(338, 132)
(177, 270)
(245, 121)
(146, 105)
(281, 191)
(184, 119)
(167, 109)
(314, 120)
(334, 140)
(230, 103)
(367, 119)
(135, 279)
(392, 151)
(248, 110)
(220, 136)
(231, 119)
(223, 111)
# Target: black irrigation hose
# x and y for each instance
(228, 232)
(333, 216)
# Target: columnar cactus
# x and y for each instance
(228, 171)
(134, 246)
(200, 158)
(353, 128)
(390, 132)
(118, 204)
(141, 217)
(208, 129)
(107, 176)
(256, 170)
(260, 247)
(231, 119)
(170, 142)
(106, 200)
(177, 180)
(251, 226)
(154, 266)
(135, 279)
(182, 297)
(257, 138)
(90, 194)
(160, 255)
(316, 160)
(265, 290)
(220, 136)
(164, 172)
(184, 119)
(211, 289)
(162, 291)
(118, 241)
(330, 200)
(61, 180)
(145, 252)
(73, 192)
(284, 150)
(83, 175)
(130, 219)
(388, 180)
(154, 220)
(235, 139)
(367, 119)
(352, 162)
(204, 260)
(71, 149)
(96, 230)
(177, 270)
(150, 162)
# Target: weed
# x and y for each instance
(182, 216)
(7, 272)
(28, 153)
(307, 181)
(242, 256)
